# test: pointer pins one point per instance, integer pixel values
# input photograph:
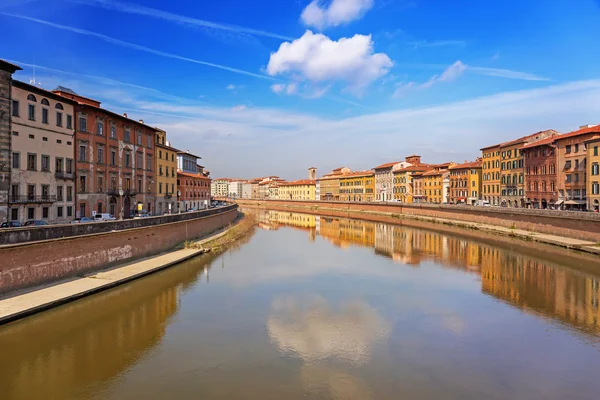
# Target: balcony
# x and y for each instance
(64, 175)
(27, 199)
(130, 192)
(112, 192)
(168, 195)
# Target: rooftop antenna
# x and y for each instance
(33, 81)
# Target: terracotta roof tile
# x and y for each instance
(468, 165)
(300, 182)
(190, 175)
(6, 65)
(582, 131)
(387, 165)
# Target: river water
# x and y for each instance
(311, 307)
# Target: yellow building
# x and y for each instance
(297, 190)
(404, 189)
(593, 174)
(433, 183)
(357, 186)
(273, 189)
(166, 174)
(329, 184)
(491, 174)
(465, 182)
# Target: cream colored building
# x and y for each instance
(297, 190)
(42, 183)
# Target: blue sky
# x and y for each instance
(275, 86)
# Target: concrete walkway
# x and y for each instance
(38, 300)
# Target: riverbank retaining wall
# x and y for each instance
(578, 225)
(33, 263)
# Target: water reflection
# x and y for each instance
(90, 342)
(533, 284)
(314, 331)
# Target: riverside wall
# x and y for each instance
(577, 225)
(33, 263)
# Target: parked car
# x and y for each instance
(101, 217)
(35, 222)
(141, 215)
(11, 224)
(83, 220)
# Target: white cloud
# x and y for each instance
(287, 88)
(239, 107)
(230, 87)
(278, 87)
(317, 58)
(451, 73)
(339, 12)
(505, 73)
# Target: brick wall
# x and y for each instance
(31, 264)
(5, 132)
(571, 224)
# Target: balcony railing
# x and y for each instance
(168, 195)
(112, 192)
(32, 199)
(129, 192)
(63, 175)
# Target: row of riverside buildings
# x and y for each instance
(545, 170)
(63, 156)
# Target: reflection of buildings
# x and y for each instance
(539, 286)
(90, 342)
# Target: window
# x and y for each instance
(45, 192)
(595, 150)
(69, 166)
(45, 102)
(31, 213)
(149, 141)
(139, 186)
(113, 157)
(31, 112)
(14, 214)
(44, 115)
(568, 148)
(31, 97)
(568, 164)
(100, 129)
(576, 148)
(15, 133)
(160, 154)
(31, 162)
(69, 195)
(16, 160)
(568, 178)
(69, 121)
(576, 177)
(127, 135)
(15, 108)
(113, 182)
(82, 124)
(140, 160)
(59, 106)
(58, 118)
(45, 163)
(172, 157)
(82, 209)
(149, 165)
(100, 187)
(82, 184)
(595, 169)
(100, 155)
(44, 139)
(59, 193)
(69, 211)
(139, 138)
(99, 208)
(59, 212)
(58, 141)
(82, 151)
(128, 160)
(160, 188)
(595, 188)
(45, 212)
(576, 164)
(113, 132)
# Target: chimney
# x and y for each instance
(141, 121)
(586, 126)
(125, 115)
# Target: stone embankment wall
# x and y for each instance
(578, 225)
(34, 263)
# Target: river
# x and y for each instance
(326, 308)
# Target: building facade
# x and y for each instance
(220, 187)
(465, 182)
(357, 186)
(404, 189)
(6, 112)
(593, 173)
(193, 183)
(540, 173)
(491, 174)
(432, 182)
(114, 160)
(329, 184)
(166, 175)
(235, 188)
(297, 190)
(42, 180)
(384, 181)
(247, 190)
(571, 163)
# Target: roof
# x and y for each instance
(387, 165)
(415, 168)
(433, 172)
(187, 153)
(543, 142)
(516, 141)
(65, 90)
(300, 182)
(356, 173)
(581, 131)
(190, 175)
(467, 165)
(43, 92)
(12, 68)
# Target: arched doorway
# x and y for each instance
(596, 206)
(126, 207)
(516, 204)
(544, 204)
(112, 206)
(522, 203)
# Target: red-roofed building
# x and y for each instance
(465, 182)
(193, 191)
(297, 190)
(384, 177)
(114, 160)
(357, 186)
(540, 173)
(571, 163)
